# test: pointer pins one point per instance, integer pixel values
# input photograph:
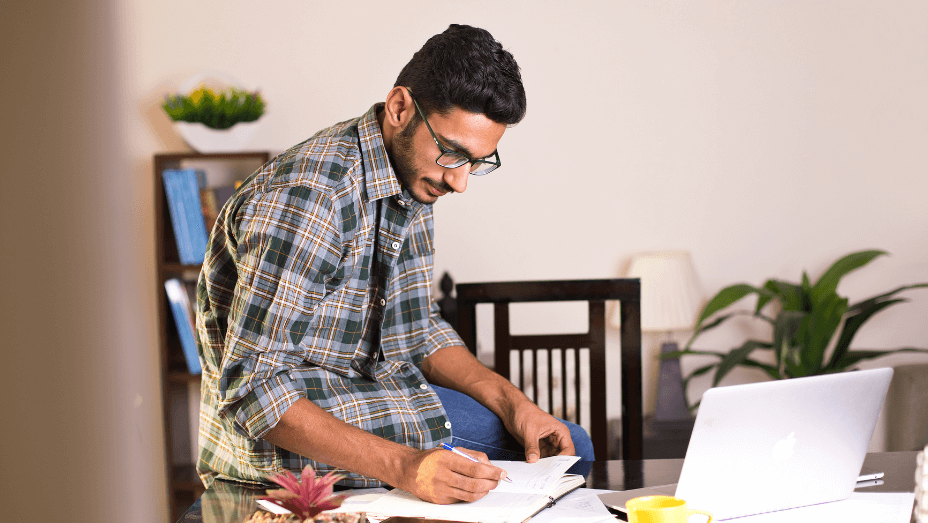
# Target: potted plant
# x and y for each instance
(305, 498)
(213, 120)
(807, 319)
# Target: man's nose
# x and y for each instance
(457, 177)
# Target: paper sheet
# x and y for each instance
(860, 507)
(536, 477)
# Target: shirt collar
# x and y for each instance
(380, 179)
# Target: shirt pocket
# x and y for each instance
(419, 242)
(336, 324)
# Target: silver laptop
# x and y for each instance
(776, 445)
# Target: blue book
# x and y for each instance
(182, 188)
(184, 319)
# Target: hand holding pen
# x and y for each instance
(459, 453)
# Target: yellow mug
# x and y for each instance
(660, 509)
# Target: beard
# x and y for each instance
(402, 158)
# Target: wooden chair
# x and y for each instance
(626, 291)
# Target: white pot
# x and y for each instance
(205, 139)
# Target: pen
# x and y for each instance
(459, 453)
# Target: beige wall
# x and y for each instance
(763, 137)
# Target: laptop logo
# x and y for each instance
(785, 448)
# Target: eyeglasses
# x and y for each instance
(453, 159)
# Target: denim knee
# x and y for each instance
(583, 445)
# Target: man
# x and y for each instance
(319, 338)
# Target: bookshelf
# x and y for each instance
(180, 388)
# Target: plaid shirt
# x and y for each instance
(317, 284)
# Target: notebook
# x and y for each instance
(534, 487)
(776, 445)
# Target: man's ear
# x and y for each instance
(398, 108)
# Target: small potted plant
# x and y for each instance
(215, 120)
(306, 499)
(811, 325)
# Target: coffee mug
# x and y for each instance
(660, 509)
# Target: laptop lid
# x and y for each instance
(782, 444)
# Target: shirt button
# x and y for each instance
(448, 425)
(383, 302)
(402, 202)
(423, 386)
(396, 245)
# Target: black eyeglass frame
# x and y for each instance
(463, 158)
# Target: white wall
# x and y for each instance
(764, 137)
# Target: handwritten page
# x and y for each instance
(533, 487)
(539, 477)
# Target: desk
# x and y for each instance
(226, 502)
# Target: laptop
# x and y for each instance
(776, 445)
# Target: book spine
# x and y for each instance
(184, 320)
(185, 185)
(196, 225)
(174, 196)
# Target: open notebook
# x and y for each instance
(534, 487)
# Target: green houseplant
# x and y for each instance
(216, 110)
(215, 120)
(812, 326)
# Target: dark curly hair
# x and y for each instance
(465, 67)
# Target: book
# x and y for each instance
(535, 487)
(182, 189)
(185, 319)
(212, 199)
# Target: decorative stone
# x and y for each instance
(262, 516)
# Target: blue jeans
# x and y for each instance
(475, 427)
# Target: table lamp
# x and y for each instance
(671, 299)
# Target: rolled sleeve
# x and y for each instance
(288, 248)
(441, 334)
(259, 411)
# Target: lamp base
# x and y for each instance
(671, 410)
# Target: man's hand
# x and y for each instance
(444, 477)
(435, 475)
(540, 433)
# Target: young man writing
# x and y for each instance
(319, 339)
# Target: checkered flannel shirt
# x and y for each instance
(317, 284)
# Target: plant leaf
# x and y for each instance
(869, 301)
(852, 324)
(686, 382)
(789, 294)
(828, 282)
(735, 358)
(769, 369)
(690, 352)
(824, 321)
(859, 313)
(701, 329)
(726, 297)
(853, 357)
(718, 321)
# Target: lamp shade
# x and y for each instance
(671, 296)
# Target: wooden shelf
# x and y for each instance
(183, 483)
(182, 377)
(178, 268)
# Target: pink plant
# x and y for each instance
(307, 496)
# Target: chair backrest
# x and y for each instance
(596, 292)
